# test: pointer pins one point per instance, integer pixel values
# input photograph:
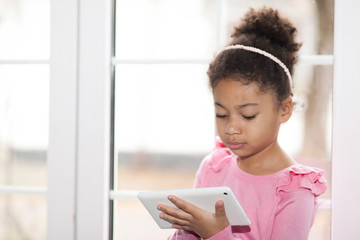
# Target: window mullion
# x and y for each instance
(304, 59)
(94, 89)
(22, 190)
(62, 150)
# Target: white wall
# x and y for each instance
(346, 122)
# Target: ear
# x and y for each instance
(286, 109)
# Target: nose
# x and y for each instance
(231, 129)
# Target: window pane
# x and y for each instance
(164, 120)
(322, 225)
(24, 104)
(156, 104)
(25, 29)
(165, 29)
(129, 216)
(314, 20)
(307, 135)
(158, 29)
(22, 217)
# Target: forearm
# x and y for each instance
(184, 235)
(225, 234)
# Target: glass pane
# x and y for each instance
(129, 216)
(307, 135)
(165, 29)
(314, 20)
(24, 103)
(163, 122)
(322, 225)
(22, 217)
(157, 103)
(25, 29)
(191, 29)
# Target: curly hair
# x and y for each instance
(266, 30)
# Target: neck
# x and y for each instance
(268, 161)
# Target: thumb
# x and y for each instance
(220, 209)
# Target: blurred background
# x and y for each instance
(163, 112)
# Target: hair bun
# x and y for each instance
(266, 24)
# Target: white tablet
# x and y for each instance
(204, 198)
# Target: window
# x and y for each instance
(67, 193)
(164, 122)
(24, 103)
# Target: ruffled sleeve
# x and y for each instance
(212, 164)
(298, 189)
(300, 176)
(220, 155)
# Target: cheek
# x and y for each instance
(253, 131)
(267, 128)
(220, 126)
(259, 127)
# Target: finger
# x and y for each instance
(174, 212)
(176, 226)
(183, 205)
(220, 209)
(174, 220)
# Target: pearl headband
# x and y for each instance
(262, 52)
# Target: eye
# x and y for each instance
(220, 116)
(249, 117)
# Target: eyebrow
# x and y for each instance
(239, 106)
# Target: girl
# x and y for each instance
(251, 84)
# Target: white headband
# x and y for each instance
(262, 52)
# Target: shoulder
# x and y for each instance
(220, 156)
(299, 177)
(213, 164)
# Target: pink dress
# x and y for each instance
(281, 206)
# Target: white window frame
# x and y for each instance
(79, 141)
(79, 144)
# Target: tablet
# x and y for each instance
(204, 198)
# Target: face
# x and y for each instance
(248, 121)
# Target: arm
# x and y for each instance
(294, 216)
(184, 235)
(225, 234)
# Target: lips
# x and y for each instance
(235, 145)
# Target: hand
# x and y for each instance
(192, 218)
